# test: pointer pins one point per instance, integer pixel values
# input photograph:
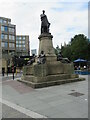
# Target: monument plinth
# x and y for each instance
(52, 72)
(46, 45)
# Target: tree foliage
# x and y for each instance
(78, 47)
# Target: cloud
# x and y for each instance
(66, 18)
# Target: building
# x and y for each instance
(7, 36)
(7, 40)
(22, 45)
(34, 51)
(10, 44)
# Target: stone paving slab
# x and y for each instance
(8, 112)
(53, 102)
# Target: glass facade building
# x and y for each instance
(22, 45)
(7, 35)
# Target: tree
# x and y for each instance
(66, 52)
(78, 47)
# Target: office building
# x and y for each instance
(7, 36)
(22, 45)
(7, 40)
(34, 51)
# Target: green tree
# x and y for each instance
(78, 47)
(66, 52)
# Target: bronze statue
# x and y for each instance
(44, 23)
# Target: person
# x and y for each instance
(59, 56)
(3, 71)
(44, 23)
(16, 71)
(41, 58)
(30, 62)
(63, 60)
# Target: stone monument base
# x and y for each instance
(49, 74)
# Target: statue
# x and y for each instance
(44, 23)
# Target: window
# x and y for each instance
(11, 44)
(9, 22)
(6, 28)
(16, 42)
(23, 42)
(2, 44)
(16, 45)
(2, 28)
(1, 20)
(23, 38)
(20, 38)
(19, 45)
(19, 41)
(11, 37)
(11, 29)
(3, 36)
(17, 38)
(23, 45)
(4, 21)
(6, 44)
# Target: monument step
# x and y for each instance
(49, 77)
(50, 83)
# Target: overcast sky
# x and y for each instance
(67, 18)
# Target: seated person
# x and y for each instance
(41, 58)
(59, 56)
(32, 60)
(63, 60)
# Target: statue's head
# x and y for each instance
(42, 52)
(43, 11)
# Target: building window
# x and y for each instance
(20, 38)
(11, 29)
(1, 20)
(19, 45)
(16, 42)
(11, 37)
(3, 36)
(23, 42)
(2, 28)
(2, 44)
(6, 28)
(16, 45)
(4, 21)
(23, 45)
(6, 44)
(23, 38)
(11, 44)
(19, 42)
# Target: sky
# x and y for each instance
(67, 18)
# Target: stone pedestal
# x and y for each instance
(46, 45)
(53, 72)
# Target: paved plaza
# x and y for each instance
(62, 101)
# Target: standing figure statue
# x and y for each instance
(44, 23)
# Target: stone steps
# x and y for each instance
(50, 83)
